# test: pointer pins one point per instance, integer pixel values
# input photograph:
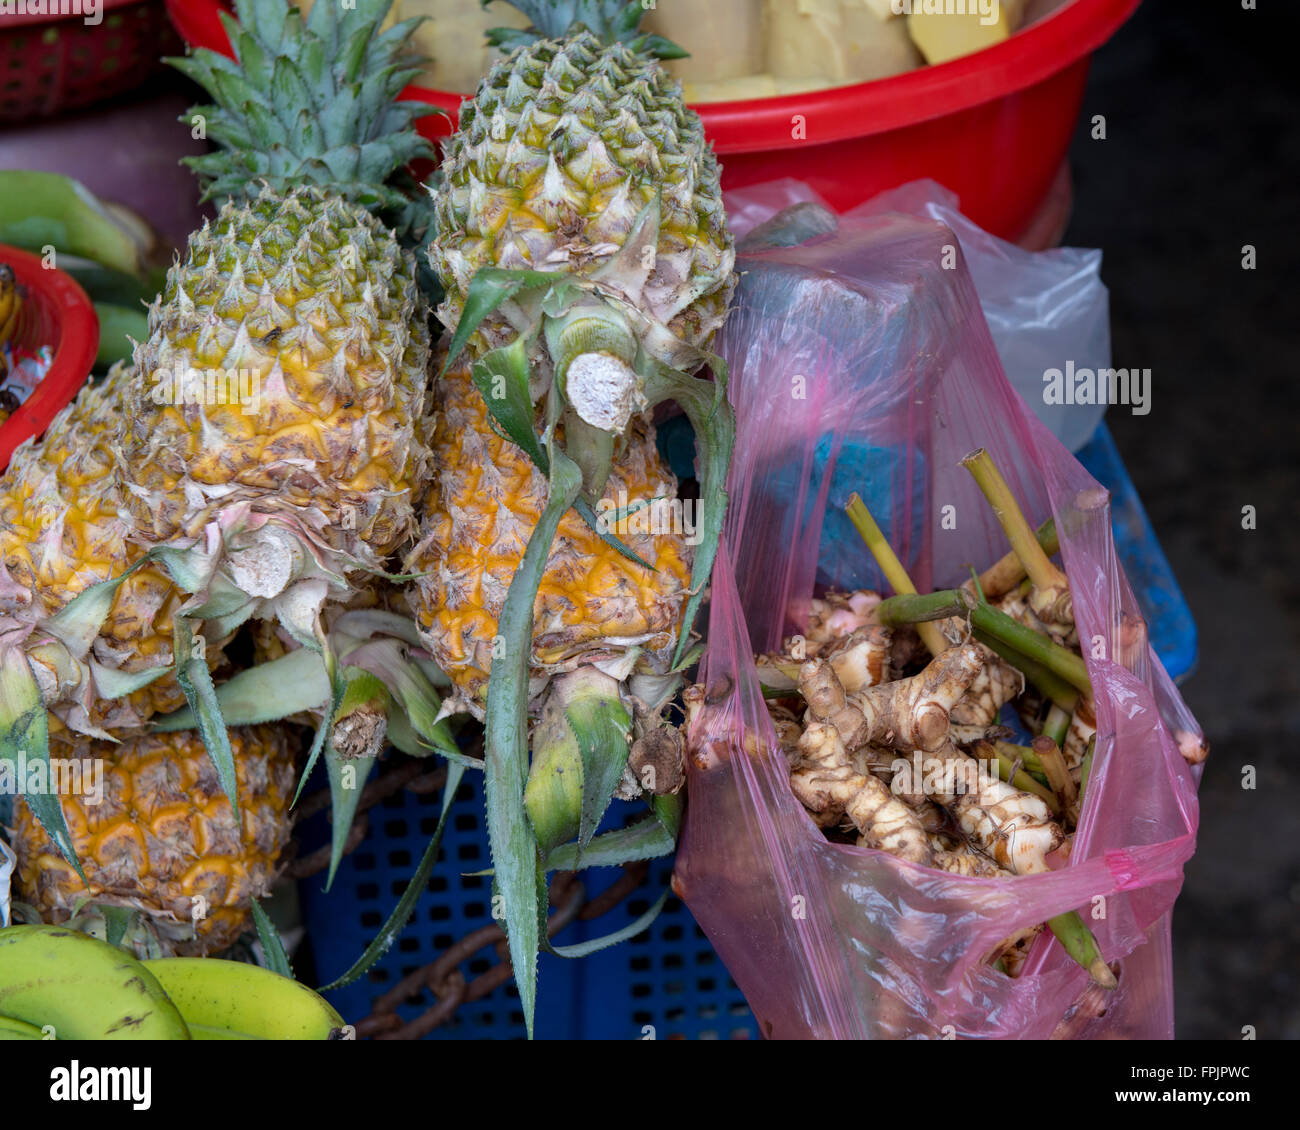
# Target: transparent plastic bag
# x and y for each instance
(845, 347)
(1045, 309)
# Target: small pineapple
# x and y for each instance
(266, 431)
(594, 604)
(163, 840)
(308, 307)
(577, 155)
(61, 531)
(580, 237)
(276, 399)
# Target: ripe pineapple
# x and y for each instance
(576, 147)
(594, 604)
(315, 302)
(277, 395)
(577, 161)
(61, 531)
(164, 840)
(314, 305)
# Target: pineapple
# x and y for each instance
(573, 146)
(61, 531)
(308, 308)
(163, 841)
(580, 237)
(266, 441)
(266, 431)
(594, 605)
(276, 399)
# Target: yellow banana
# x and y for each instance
(11, 302)
(238, 998)
(85, 988)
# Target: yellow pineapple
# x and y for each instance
(62, 530)
(163, 840)
(579, 233)
(594, 604)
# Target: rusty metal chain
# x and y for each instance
(443, 978)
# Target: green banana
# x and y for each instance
(235, 998)
(11, 1029)
(116, 323)
(85, 988)
(206, 1032)
(39, 210)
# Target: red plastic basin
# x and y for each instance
(994, 126)
(57, 313)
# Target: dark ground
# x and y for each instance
(1202, 157)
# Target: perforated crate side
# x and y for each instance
(669, 979)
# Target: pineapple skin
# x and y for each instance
(557, 153)
(164, 835)
(480, 510)
(62, 529)
(316, 303)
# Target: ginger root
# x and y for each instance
(832, 783)
(967, 862)
(908, 714)
(996, 685)
(861, 660)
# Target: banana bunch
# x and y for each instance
(56, 983)
(11, 303)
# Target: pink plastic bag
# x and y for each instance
(865, 341)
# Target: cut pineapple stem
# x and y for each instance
(891, 567)
(593, 348)
(1038, 566)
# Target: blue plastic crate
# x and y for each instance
(669, 978)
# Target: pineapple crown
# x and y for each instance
(309, 102)
(610, 21)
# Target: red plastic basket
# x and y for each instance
(49, 64)
(57, 313)
(994, 126)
